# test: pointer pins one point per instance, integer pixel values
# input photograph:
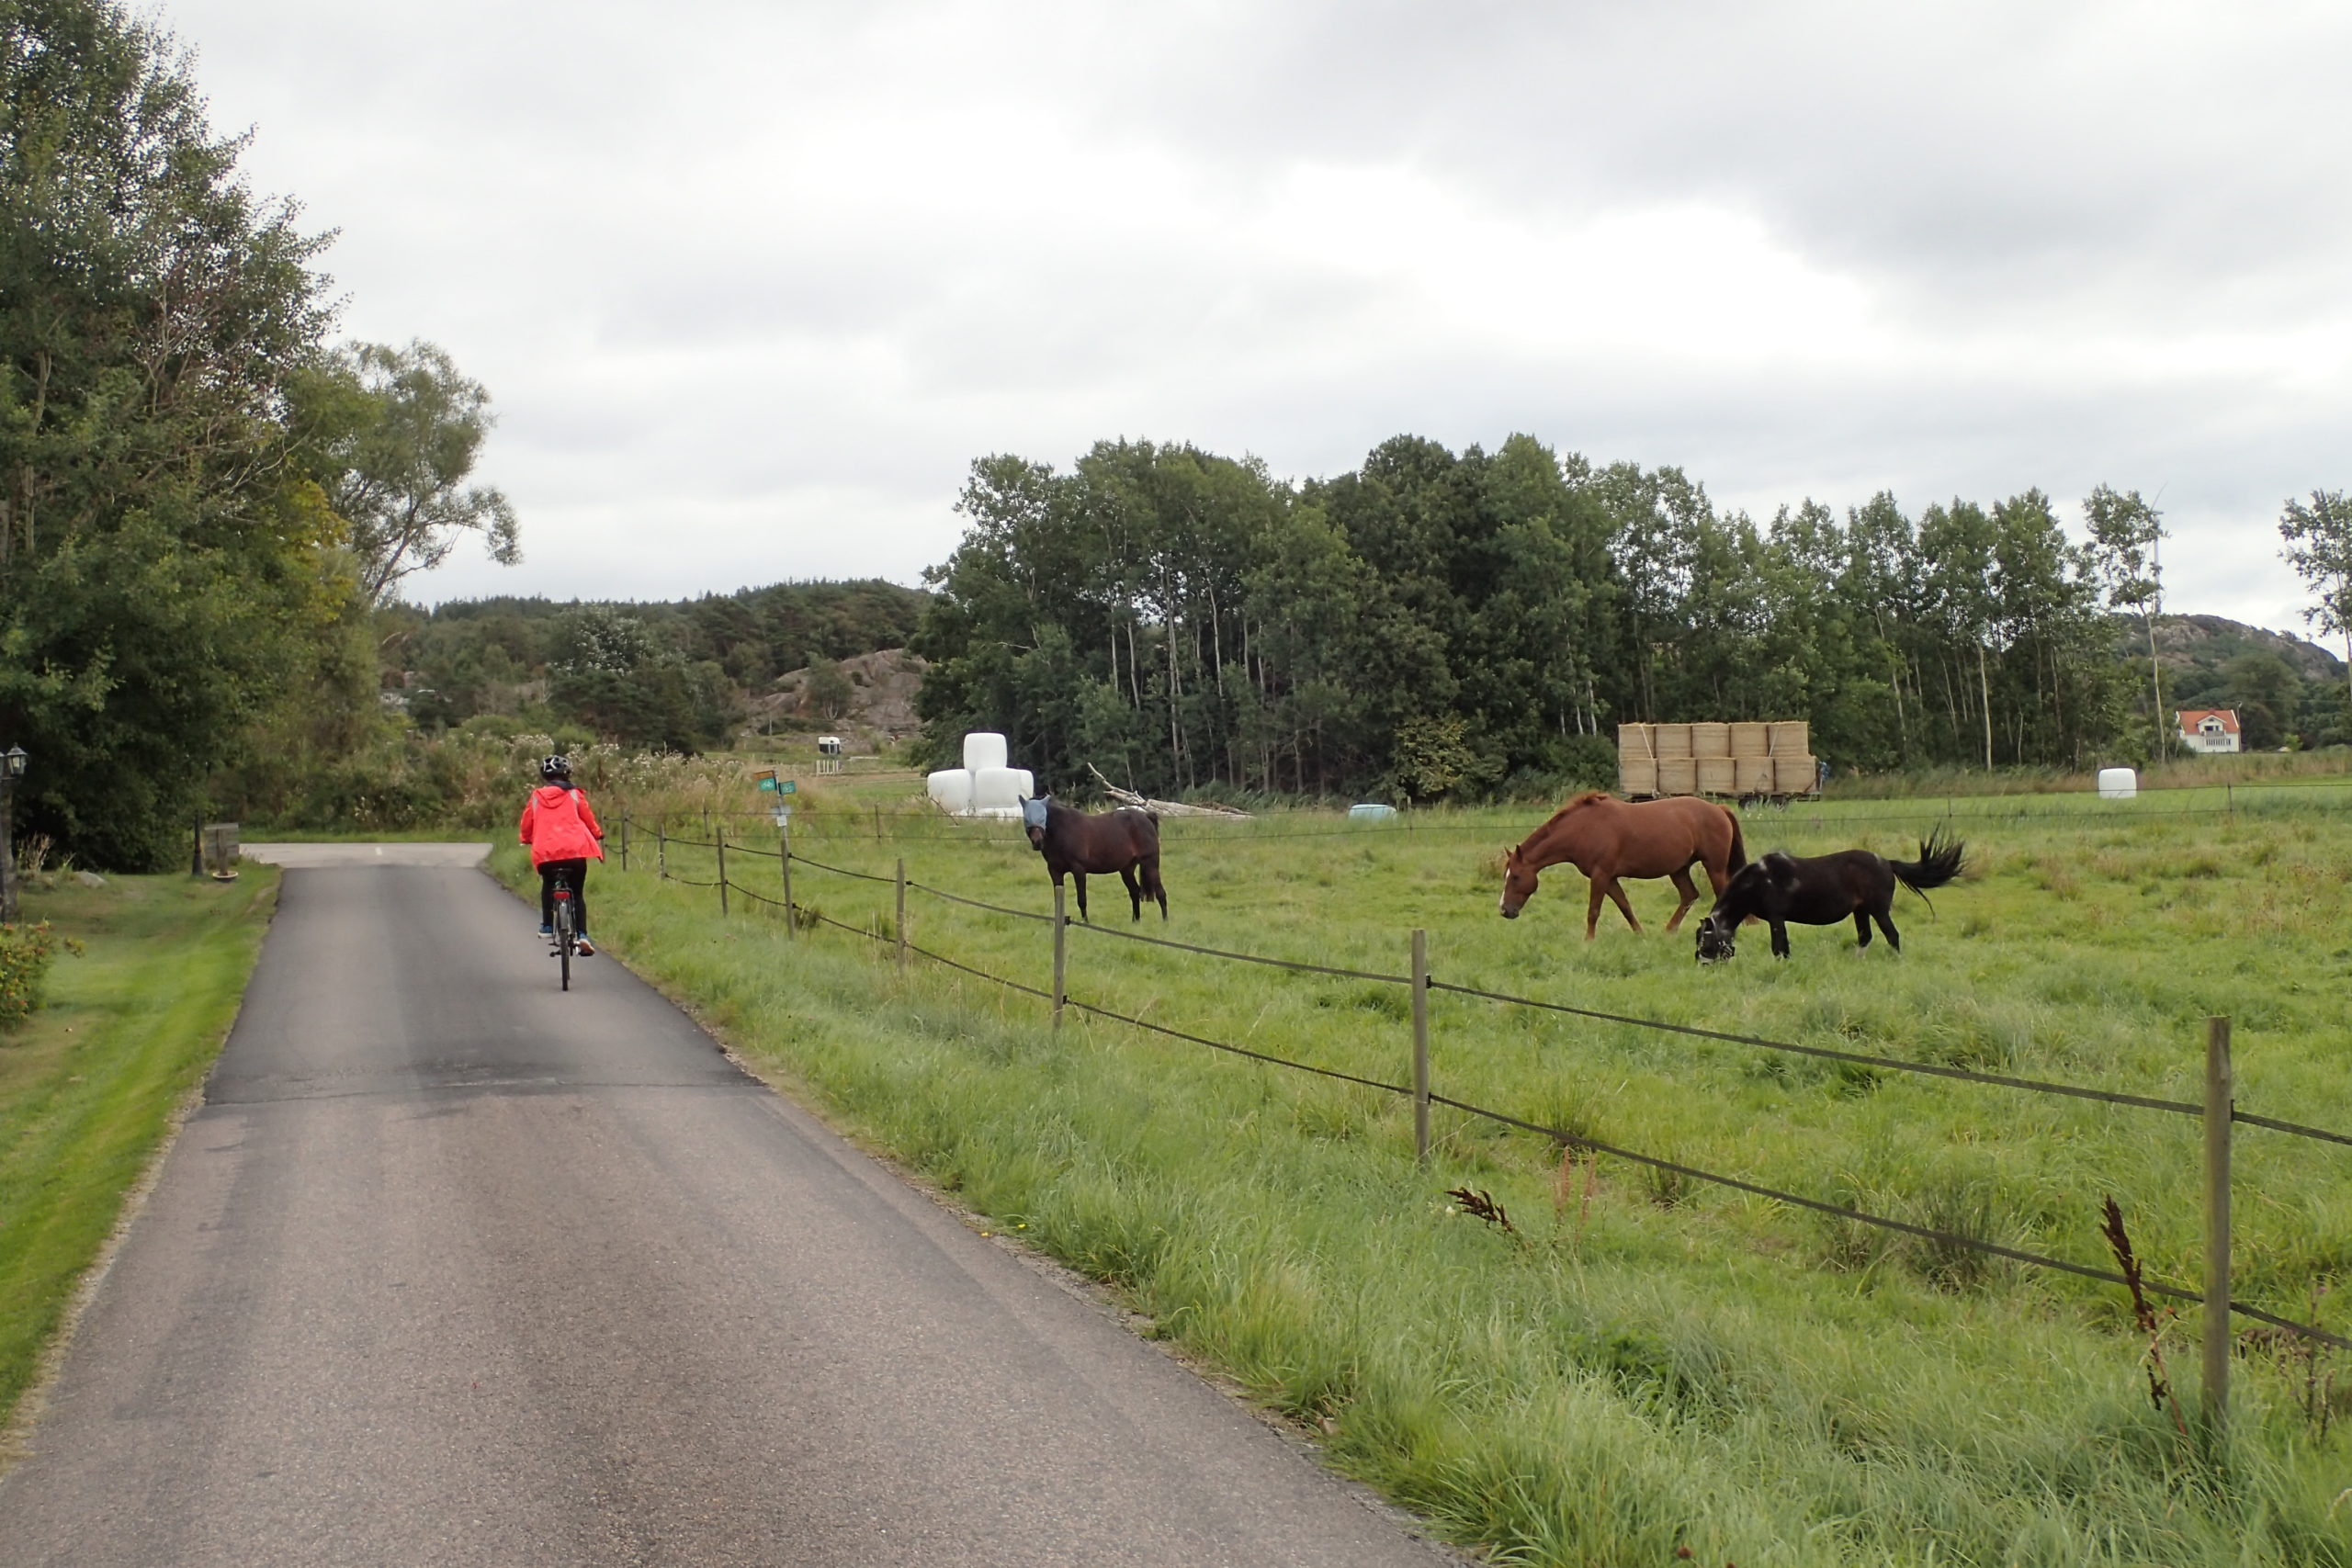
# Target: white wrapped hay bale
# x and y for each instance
(951, 790)
(983, 750)
(998, 792)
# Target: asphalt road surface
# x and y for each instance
(452, 1269)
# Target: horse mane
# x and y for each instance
(1587, 798)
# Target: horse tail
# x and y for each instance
(1941, 860)
(1739, 856)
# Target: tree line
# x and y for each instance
(203, 496)
(1435, 624)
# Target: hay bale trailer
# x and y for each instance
(1745, 759)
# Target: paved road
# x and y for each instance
(451, 1269)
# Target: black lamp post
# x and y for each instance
(12, 768)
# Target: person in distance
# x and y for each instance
(563, 832)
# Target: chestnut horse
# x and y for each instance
(1124, 840)
(1606, 838)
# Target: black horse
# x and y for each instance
(1821, 890)
(1125, 841)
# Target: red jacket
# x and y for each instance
(558, 824)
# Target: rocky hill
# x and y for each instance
(2208, 642)
(867, 699)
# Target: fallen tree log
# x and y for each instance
(1135, 802)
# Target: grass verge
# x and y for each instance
(1629, 1371)
(89, 1086)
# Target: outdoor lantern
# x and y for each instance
(15, 758)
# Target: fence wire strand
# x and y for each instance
(975, 903)
(1233, 1050)
(2297, 1128)
(1248, 957)
(1819, 1206)
(1927, 1233)
(800, 859)
(1966, 1074)
(981, 973)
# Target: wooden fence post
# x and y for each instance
(903, 911)
(1061, 955)
(784, 845)
(721, 839)
(662, 849)
(1422, 1046)
(2218, 1106)
(624, 840)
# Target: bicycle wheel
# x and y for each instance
(563, 931)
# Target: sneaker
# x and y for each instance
(583, 948)
(547, 931)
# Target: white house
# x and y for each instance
(2209, 729)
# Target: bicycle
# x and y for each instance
(565, 935)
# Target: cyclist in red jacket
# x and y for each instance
(563, 835)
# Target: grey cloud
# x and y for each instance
(1983, 149)
(752, 287)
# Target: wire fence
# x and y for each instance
(2252, 799)
(1422, 983)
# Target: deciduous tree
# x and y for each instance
(163, 560)
(2319, 547)
(2126, 534)
(396, 434)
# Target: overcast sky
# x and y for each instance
(751, 284)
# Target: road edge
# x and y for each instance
(17, 1432)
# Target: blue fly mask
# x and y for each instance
(1033, 812)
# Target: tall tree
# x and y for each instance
(398, 432)
(1956, 547)
(2126, 537)
(2319, 547)
(163, 556)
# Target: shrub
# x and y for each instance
(25, 952)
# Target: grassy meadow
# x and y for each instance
(1641, 1363)
(89, 1084)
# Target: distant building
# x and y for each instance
(2209, 729)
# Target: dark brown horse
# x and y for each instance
(1127, 841)
(1607, 839)
(1821, 890)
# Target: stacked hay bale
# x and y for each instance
(1791, 748)
(1752, 759)
(1711, 753)
(1677, 772)
(1636, 760)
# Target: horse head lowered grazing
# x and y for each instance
(1124, 840)
(1607, 839)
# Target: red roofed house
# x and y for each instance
(2209, 729)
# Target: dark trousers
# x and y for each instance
(574, 872)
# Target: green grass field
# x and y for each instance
(1645, 1363)
(89, 1084)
